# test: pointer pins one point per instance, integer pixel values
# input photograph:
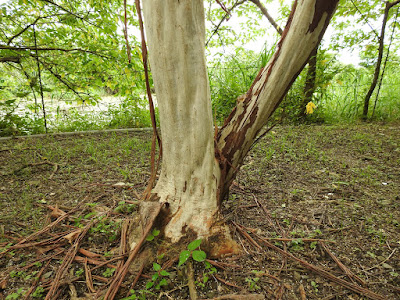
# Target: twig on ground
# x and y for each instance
(88, 276)
(385, 260)
(70, 255)
(343, 267)
(191, 284)
(351, 286)
(34, 285)
(226, 282)
(15, 172)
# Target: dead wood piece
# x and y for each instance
(37, 164)
(302, 292)
(89, 280)
(246, 235)
(35, 283)
(346, 270)
(223, 265)
(33, 236)
(136, 278)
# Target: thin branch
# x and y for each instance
(16, 59)
(48, 68)
(6, 47)
(70, 12)
(23, 30)
(128, 48)
(147, 192)
(267, 15)
(225, 17)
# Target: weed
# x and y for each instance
(109, 272)
(79, 272)
(208, 272)
(38, 293)
(16, 295)
(152, 235)
(197, 255)
(159, 279)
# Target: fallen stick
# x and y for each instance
(343, 267)
(351, 286)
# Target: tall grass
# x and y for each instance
(231, 76)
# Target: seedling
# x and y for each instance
(152, 235)
(197, 255)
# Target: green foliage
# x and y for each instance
(252, 281)
(197, 255)
(152, 235)
(231, 76)
(109, 272)
(16, 295)
(38, 293)
(208, 272)
(159, 279)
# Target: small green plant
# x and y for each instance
(152, 235)
(313, 245)
(296, 244)
(315, 286)
(252, 281)
(16, 295)
(38, 293)
(17, 274)
(197, 255)
(108, 272)
(159, 279)
(209, 271)
(79, 272)
(125, 208)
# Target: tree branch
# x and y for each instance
(69, 12)
(239, 2)
(268, 16)
(16, 59)
(6, 47)
(22, 31)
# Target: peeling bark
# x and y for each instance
(303, 32)
(197, 168)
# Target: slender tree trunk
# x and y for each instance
(388, 6)
(199, 166)
(378, 64)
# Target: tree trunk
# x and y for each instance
(198, 167)
(190, 174)
(367, 98)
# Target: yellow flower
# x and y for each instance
(310, 107)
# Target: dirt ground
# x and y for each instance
(315, 210)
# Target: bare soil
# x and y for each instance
(326, 197)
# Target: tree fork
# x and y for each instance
(197, 168)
